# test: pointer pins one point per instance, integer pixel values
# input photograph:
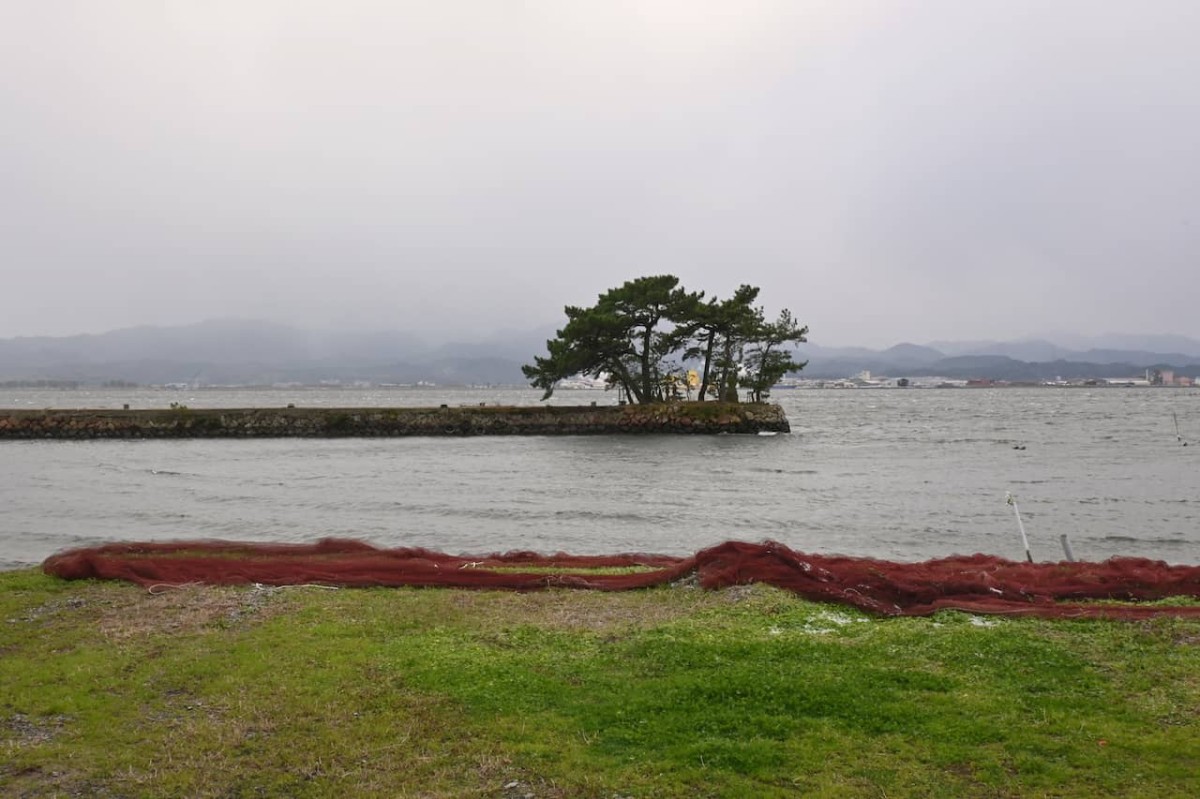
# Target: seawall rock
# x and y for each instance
(676, 417)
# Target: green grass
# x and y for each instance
(106, 690)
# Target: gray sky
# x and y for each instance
(890, 171)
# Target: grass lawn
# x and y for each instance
(109, 691)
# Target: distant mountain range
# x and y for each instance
(1006, 360)
(242, 352)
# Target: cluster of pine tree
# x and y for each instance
(645, 337)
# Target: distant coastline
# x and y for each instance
(256, 354)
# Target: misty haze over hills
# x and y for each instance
(1108, 357)
(256, 352)
(244, 352)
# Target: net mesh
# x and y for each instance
(974, 583)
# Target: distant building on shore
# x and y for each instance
(1167, 377)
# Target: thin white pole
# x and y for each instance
(1011, 500)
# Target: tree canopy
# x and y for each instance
(642, 337)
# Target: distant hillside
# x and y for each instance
(243, 352)
(1033, 360)
(256, 352)
(911, 355)
(1134, 349)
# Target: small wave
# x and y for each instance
(647, 518)
(1128, 539)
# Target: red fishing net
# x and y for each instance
(973, 583)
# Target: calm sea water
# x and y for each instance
(901, 474)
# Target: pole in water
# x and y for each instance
(1178, 437)
(1011, 500)
(1066, 545)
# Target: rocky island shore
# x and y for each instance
(182, 422)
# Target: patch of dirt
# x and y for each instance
(529, 788)
(52, 608)
(35, 782)
(738, 593)
(186, 609)
(21, 730)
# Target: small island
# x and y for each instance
(676, 359)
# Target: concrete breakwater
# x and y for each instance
(182, 422)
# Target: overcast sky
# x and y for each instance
(950, 169)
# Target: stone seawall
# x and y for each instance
(677, 417)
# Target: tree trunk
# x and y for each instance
(727, 370)
(631, 386)
(647, 378)
(758, 387)
(712, 339)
